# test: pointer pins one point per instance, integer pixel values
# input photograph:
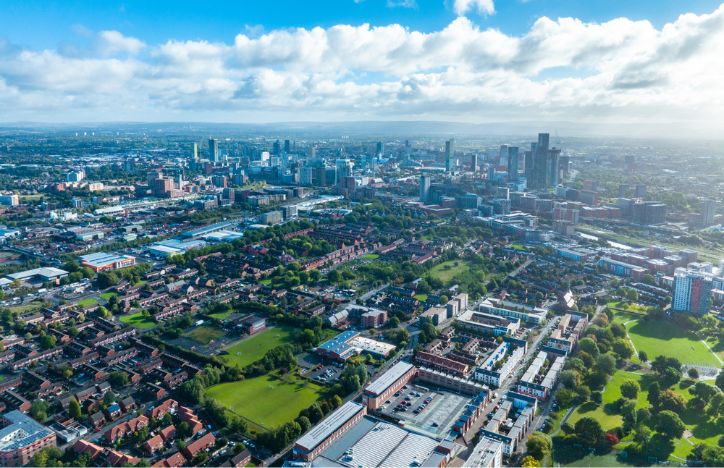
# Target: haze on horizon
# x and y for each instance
(642, 72)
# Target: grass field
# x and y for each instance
(446, 271)
(25, 308)
(204, 334)
(420, 297)
(244, 352)
(282, 402)
(665, 338)
(371, 256)
(138, 321)
(107, 295)
(88, 302)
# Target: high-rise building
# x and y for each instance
(195, 152)
(379, 149)
(474, 162)
(214, 154)
(276, 148)
(449, 155)
(649, 212)
(528, 163)
(503, 156)
(287, 146)
(708, 212)
(425, 182)
(691, 292)
(553, 167)
(513, 163)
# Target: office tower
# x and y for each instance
(564, 164)
(344, 168)
(708, 212)
(425, 182)
(513, 164)
(449, 155)
(553, 168)
(649, 212)
(214, 150)
(379, 149)
(276, 148)
(312, 152)
(195, 152)
(691, 292)
(640, 191)
(502, 156)
(528, 163)
(287, 146)
(541, 167)
(474, 162)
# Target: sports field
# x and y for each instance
(283, 398)
(246, 351)
(137, 321)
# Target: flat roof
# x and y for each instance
(384, 381)
(47, 272)
(102, 258)
(328, 425)
(21, 432)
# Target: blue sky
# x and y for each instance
(48, 23)
(595, 62)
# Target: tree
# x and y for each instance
(703, 390)
(74, 408)
(118, 379)
(587, 345)
(539, 445)
(643, 357)
(693, 373)
(569, 379)
(623, 348)
(668, 400)
(606, 364)
(565, 397)
(48, 341)
(630, 389)
(720, 381)
(530, 462)
(669, 424)
(39, 410)
(654, 394)
(588, 431)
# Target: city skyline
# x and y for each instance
(639, 69)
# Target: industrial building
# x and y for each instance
(102, 261)
(377, 392)
(321, 436)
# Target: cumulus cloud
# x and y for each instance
(482, 7)
(562, 68)
(113, 42)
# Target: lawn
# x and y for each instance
(88, 302)
(661, 337)
(25, 308)
(611, 393)
(138, 321)
(371, 256)
(107, 295)
(244, 352)
(597, 460)
(204, 334)
(446, 271)
(281, 403)
(420, 297)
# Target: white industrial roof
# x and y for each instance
(328, 425)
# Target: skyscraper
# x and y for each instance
(195, 152)
(425, 182)
(474, 162)
(379, 149)
(708, 212)
(449, 155)
(287, 146)
(214, 150)
(276, 148)
(692, 292)
(513, 163)
(553, 167)
(503, 156)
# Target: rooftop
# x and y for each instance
(328, 425)
(21, 432)
(388, 378)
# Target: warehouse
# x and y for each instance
(107, 261)
(321, 436)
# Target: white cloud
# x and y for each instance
(401, 3)
(564, 69)
(113, 42)
(482, 7)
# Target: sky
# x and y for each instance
(592, 61)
